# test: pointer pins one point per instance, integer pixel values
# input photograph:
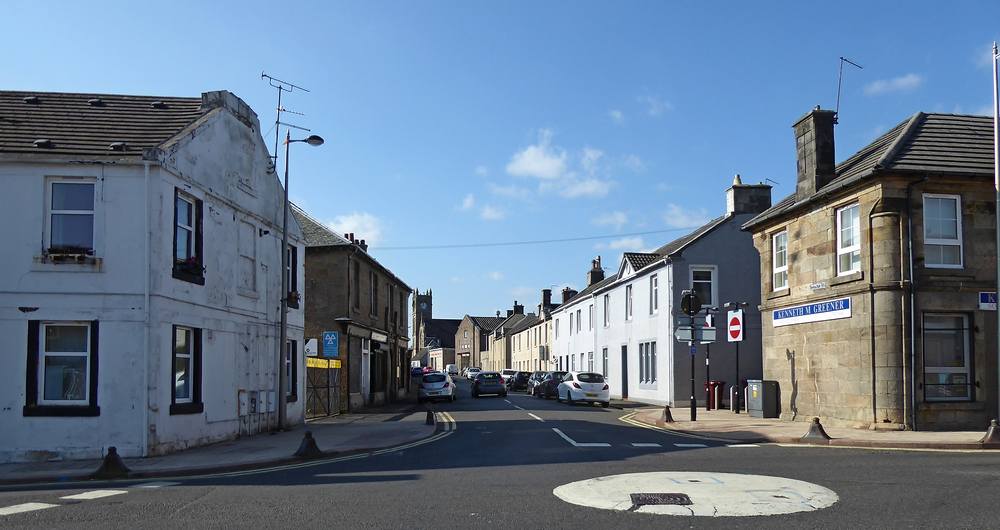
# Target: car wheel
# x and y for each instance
(569, 398)
(606, 404)
(558, 397)
(453, 398)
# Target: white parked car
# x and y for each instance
(472, 372)
(436, 386)
(585, 387)
(507, 375)
(451, 369)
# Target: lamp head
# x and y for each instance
(314, 140)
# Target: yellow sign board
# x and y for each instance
(313, 362)
(334, 363)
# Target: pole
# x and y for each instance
(737, 385)
(282, 347)
(694, 406)
(708, 390)
(996, 185)
(277, 128)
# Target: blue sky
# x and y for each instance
(477, 122)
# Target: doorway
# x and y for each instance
(624, 371)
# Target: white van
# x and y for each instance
(451, 369)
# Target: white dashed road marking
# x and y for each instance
(690, 445)
(742, 445)
(151, 485)
(536, 417)
(645, 444)
(96, 494)
(574, 443)
(26, 507)
(696, 493)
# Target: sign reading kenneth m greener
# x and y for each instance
(826, 310)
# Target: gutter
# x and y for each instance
(913, 302)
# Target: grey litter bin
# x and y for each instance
(762, 398)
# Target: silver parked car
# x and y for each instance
(436, 386)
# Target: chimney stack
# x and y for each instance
(510, 312)
(596, 273)
(498, 313)
(546, 298)
(814, 147)
(518, 308)
(363, 245)
(567, 293)
(747, 198)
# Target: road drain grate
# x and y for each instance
(658, 499)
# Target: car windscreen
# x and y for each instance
(590, 378)
(524, 374)
(509, 372)
(558, 375)
(433, 378)
(488, 377)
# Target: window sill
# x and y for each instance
(66, 263)
(190, 277)
(186, 408)
(61, 410)
(778, 294)
(847, 278)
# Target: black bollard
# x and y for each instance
(308, 447)
(667, 417)
(112, 467)
(992, 438)
(430, 418)
(816, 433)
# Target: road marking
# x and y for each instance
(690, 445)
(26, 507)
(742, 445)
(575, 443)
(645, 444)
(507, 401)
(151, 485)
(518, 408)
(536, 417)
(91, 495)
(627, 418)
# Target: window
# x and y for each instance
(292, 276)
(61, 375)
(703, 284)
(373, 293)
(647, 362)
(590, 361)
(590, 317)
(248, 257)
(779, 261)
(571, 323)
(947, 359)
(848, 240)
(557, 329)
(579, 320)
(607, 314)
(465, 334)
(185, 391)
(188, 262)
(356, 285)
(654, 294)
(628, 302)
(572, 362)
(604, 362)
(291, 371)
(943, 231)
(71, 217)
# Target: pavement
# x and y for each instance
(371, 429)
(526, 462)
(728, 426)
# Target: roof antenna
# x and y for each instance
(840, 81)
(282, 86)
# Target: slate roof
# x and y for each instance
(315, 234)
(85, 125)
(926, 143)
(510, 322)
(640, 260)
(587, 290)
(487, 323)
(529, 320)
(678, 244)
(443, 330)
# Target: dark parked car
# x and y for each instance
(519, 382)
(547, 387)
(488, 383)
(534, 380)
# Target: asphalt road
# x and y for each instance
(499, 466)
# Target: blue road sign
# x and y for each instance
(694, 349)
(331, 344)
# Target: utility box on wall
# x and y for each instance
(762, 398)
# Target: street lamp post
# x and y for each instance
(312, 140)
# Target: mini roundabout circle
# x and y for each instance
(698, 494)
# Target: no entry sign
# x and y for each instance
(735, 326)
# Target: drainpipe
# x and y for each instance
(913, 302)
(145, 304)
(871, 305)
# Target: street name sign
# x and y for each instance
(987, 300)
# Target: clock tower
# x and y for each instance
(423, 305)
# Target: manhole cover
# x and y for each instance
(698, 493)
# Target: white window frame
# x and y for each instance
(783, 270)
(43, 353)
(49, 211)
(654, 294)
(571, 323)
(249, 254)
(856, 247)
(945, 242)
(590, 318)
(579, 320)
(628, 302)
(189, 229)
(190, 358)
(607, 310)
(967, 365)
(604, 361)
(590, 361)
(715, 282)
(556, 330)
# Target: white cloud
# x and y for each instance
(457, 279)
(590, 159)
(491, 213)
(615, 219)
(663, 186)
(903, 83)
(482, 171)
(634, 163)
(540, 160)
(363, 224)
(617, 116)
(983, 56)
(510, 190)
(573, 188)
(495, 276)
(468, 202)
(654, 105)
(629, 244)
(677, 217)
